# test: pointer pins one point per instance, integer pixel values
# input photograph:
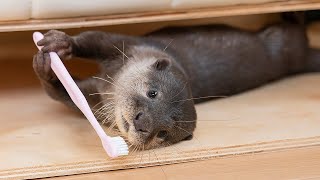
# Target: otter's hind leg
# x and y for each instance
(54, 88)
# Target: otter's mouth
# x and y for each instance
(125, 123)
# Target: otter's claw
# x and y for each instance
(57, 41)
(42, 66)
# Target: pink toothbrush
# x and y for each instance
(114, 146)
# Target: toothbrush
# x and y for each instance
(114, 146)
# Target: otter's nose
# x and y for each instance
(140, 123)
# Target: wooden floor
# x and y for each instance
(299, 164)
(302, 164)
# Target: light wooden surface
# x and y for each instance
(132, 18)
(297, 164)
(42, 138)
(289, 164)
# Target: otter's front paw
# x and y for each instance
(57, 41)
(42, 67)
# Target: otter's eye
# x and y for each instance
(152, 94)
(162, 134)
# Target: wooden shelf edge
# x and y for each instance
(166, 159)
(147, 17)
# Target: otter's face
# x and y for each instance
(151, 109)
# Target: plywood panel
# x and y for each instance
(301, 163)
(41, 138)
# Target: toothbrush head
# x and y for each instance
(115, 146)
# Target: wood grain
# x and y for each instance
(40, 116)
(298, 164)
(42, 138)
(172, 15)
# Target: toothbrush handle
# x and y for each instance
(74, 92)
(72, 88)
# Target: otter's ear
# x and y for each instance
(161, 64)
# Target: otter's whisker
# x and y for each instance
(185, 121)
(99, 112)
(118, 133)
(177, 149)
(178, 152)
(168, 45)
(102, 101)
(108, 103)
(118, 85)
(134, 149)
(130, 146)
(110, 77)
(109, 115)
(123, 53)
(159, 163)
(137, 148)
(186, 132)
(113, 124)
(149, 155)
(94, 108)
(107, 119)
(111, 103)
(166, 149)
(100, 116)
(142, 153)
(185, 84)
(106, 111)
(195, 138)
(105, 107)
(105, 93)
(204, 97)
(120, 51)
(214, 120)
(109, 108)
(105, 80)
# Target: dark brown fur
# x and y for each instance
(184, 63)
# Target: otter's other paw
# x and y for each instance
(57, 41)
(42, 67)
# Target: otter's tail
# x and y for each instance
(301, 17)
(304, 19)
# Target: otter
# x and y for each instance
(148, 86)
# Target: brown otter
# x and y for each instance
(146, 86)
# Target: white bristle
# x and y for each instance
(119, 146)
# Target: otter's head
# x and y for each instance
(150, 100)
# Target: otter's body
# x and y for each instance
(220, 60)
(152, 77)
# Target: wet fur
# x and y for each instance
(197, 62)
